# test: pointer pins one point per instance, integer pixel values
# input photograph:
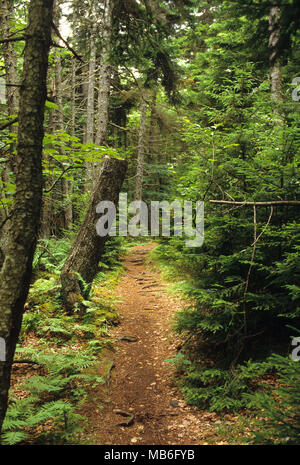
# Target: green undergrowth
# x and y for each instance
(60, 352)
(259, 382)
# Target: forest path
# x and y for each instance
(140, 382)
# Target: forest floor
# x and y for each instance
(140, 389)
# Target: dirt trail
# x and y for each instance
(141, 380)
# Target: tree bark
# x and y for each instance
(69, 208)
(47, 223)
(141, 150)
(88, 247)
(90, 109)
(104, 80)
(65, 190)
(275, 66)
(16, 270)
(10, 58)
(73, 99)
(12, 101)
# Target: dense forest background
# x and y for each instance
(199, 100)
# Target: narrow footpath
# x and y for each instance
(139, 403)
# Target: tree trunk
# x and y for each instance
(274, 39)
(104, 80)
(73, 99)
(141, 150)
(152, 129)
(12, 101)
(69, 207)
(10, 59)
(46, 226)
(90, 109)
(90, 125)
(16, 270)
(67, 215)
(88, 247)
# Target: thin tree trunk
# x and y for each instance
(90, 119)
(152, 131)
(91, 91)
(73, 99)
(104, 80)
(16, 270)
(275, 66)
(46, 225)
(141, 150)
(60, 126)
(69, 208)
(47, 215)
(10, 59)
(12, 101)
(88, 247)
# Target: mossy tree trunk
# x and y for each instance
(88, 247)
(16, 270)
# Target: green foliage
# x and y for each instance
(219, 389)
(237, 144)
(278, 408)
(51, 254)
(52, 399)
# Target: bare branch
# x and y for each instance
(60, 176)
(6, 125)
(13, 39)
(66, 43)
(257, 204)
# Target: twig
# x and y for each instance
(112, 365)
(249, 271)
(268, 222)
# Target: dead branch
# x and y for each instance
(257, 204)
(13, 39)
(9, 123)
(66, 43)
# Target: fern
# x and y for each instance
(11, 438)
(46, 396)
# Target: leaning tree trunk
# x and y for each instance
(16, 270)
(88, 247)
